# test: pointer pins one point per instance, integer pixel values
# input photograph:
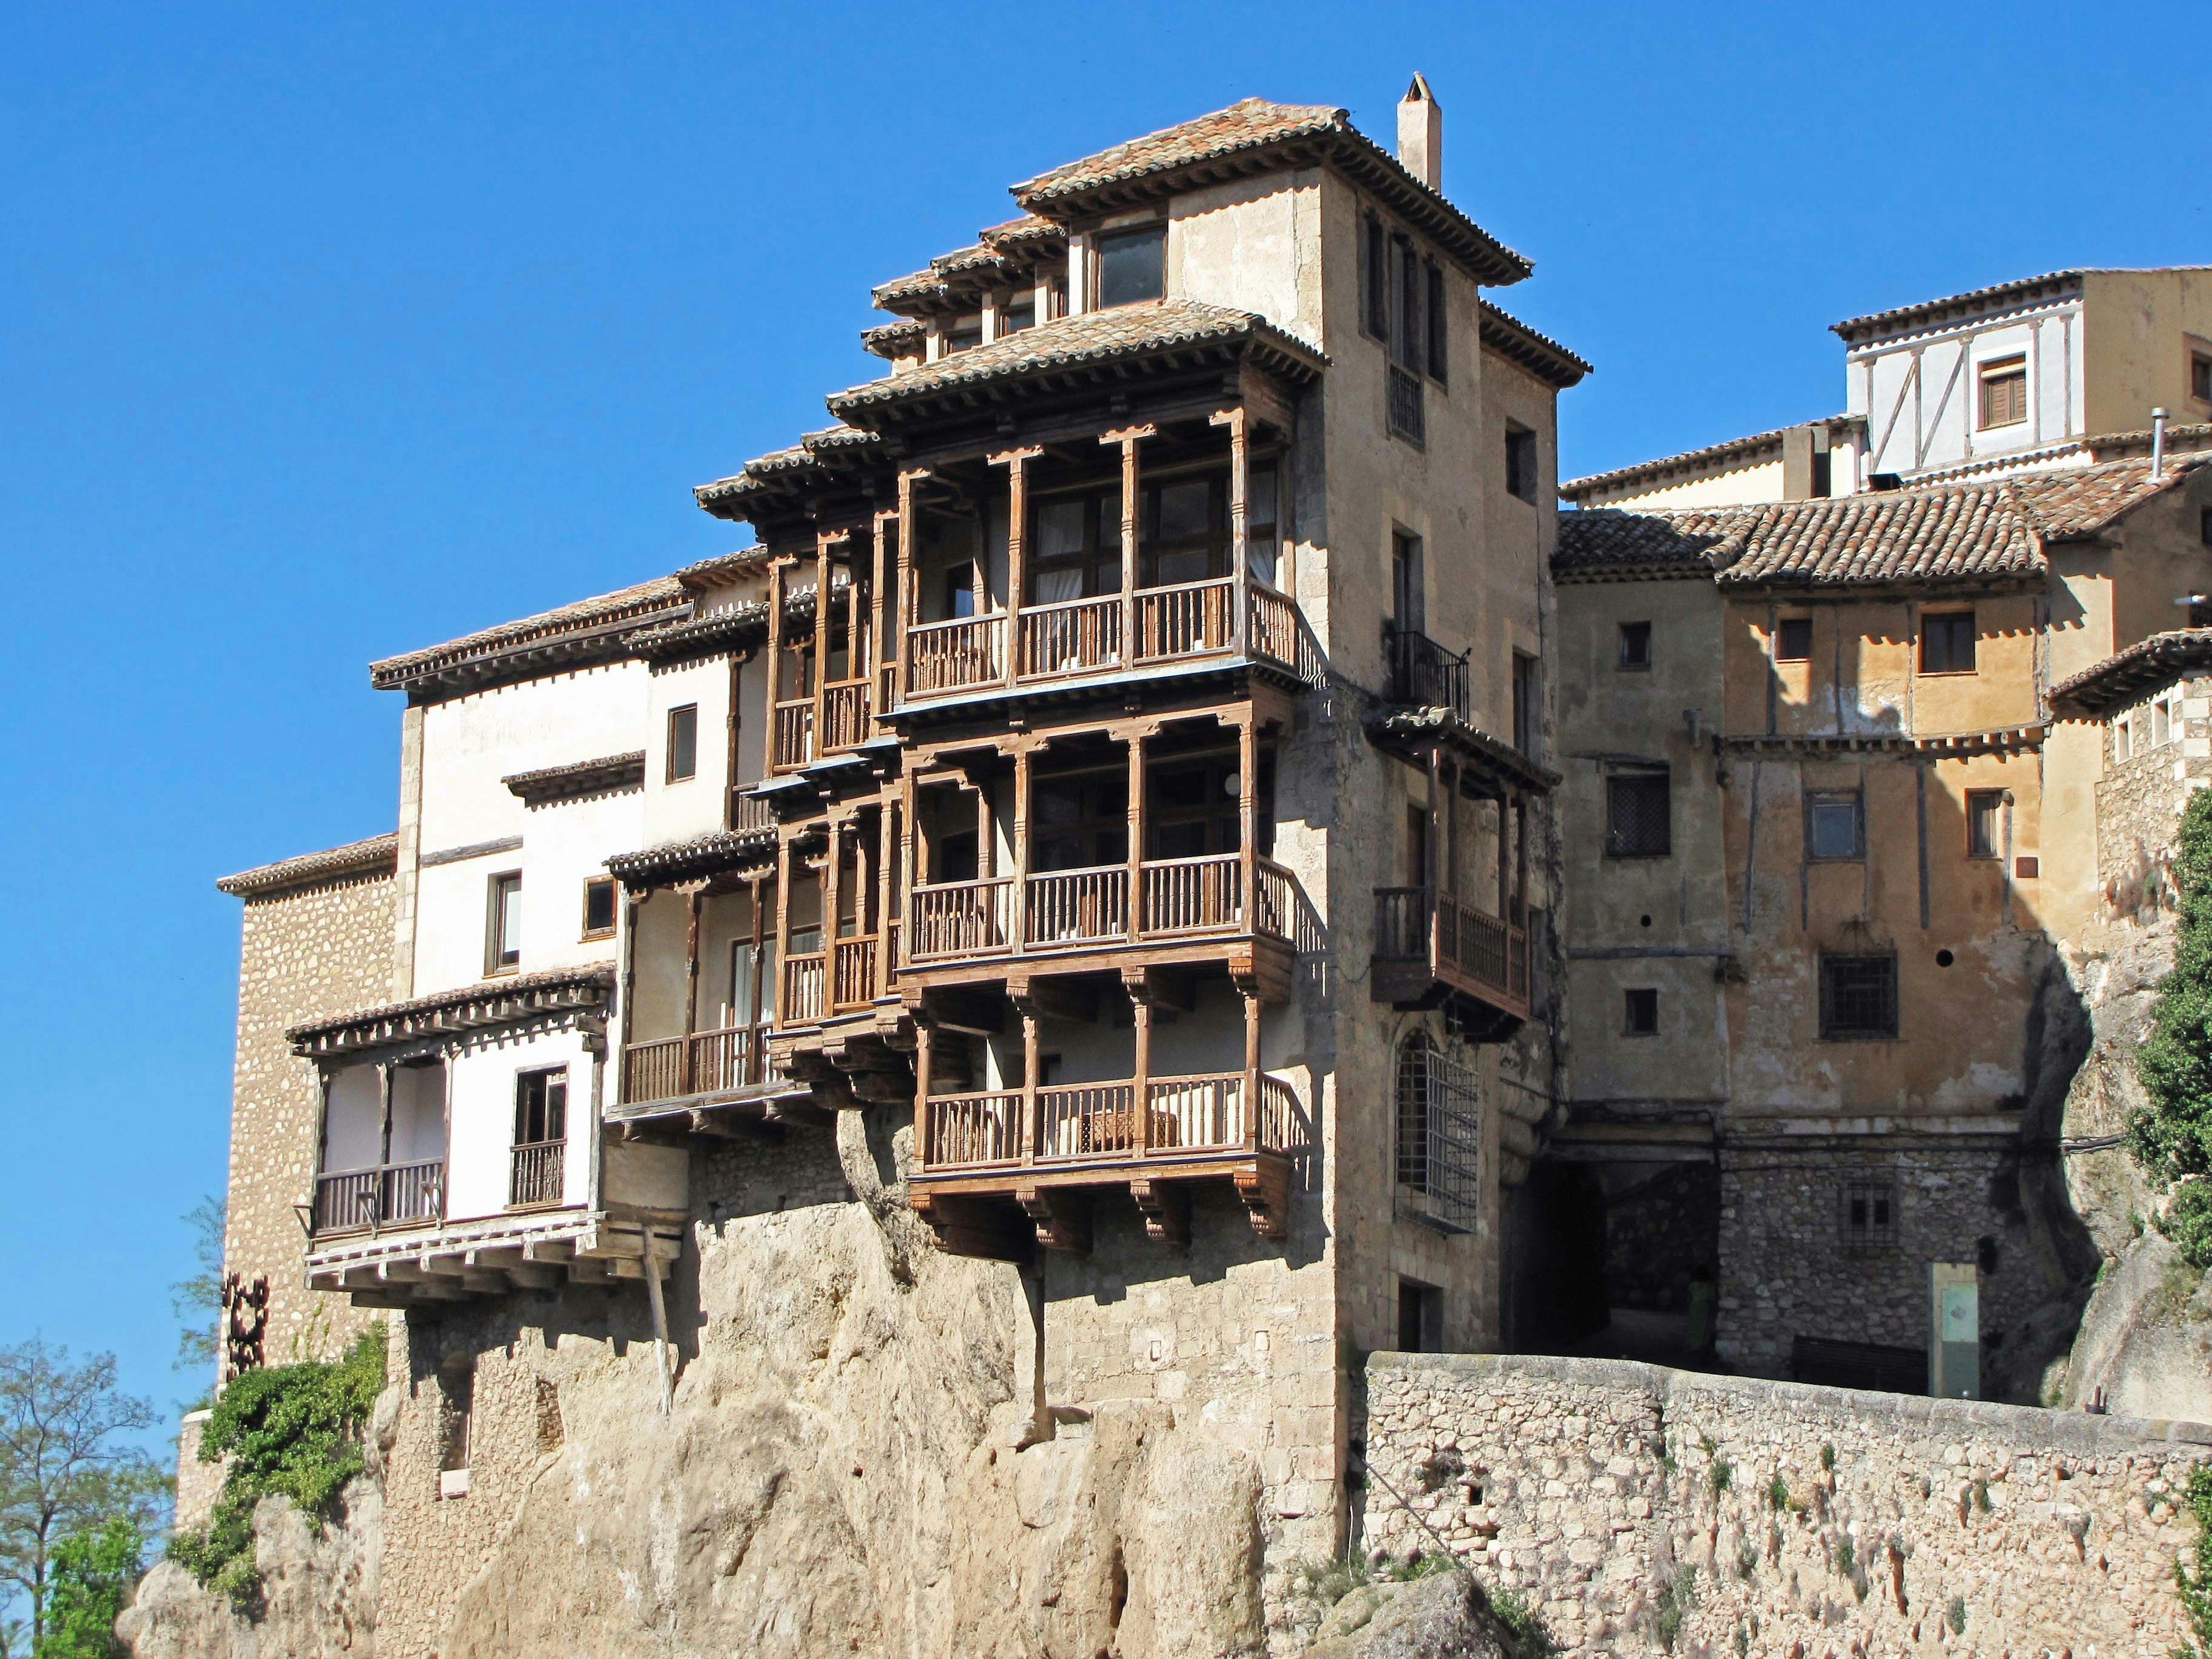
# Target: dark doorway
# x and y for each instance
(1556, 1295)
(1420, 1317)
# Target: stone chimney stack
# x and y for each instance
(1421, 134)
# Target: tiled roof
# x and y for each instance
(2070, 506)
(1599, 542)
(607, 775)
(1539, 354)
(902, 338)
(705, 856)
(1075, 343)
(813, 457)
(745, 562)
(557, 632)
(2145, 666)
(702, 636)
(1978, 532)
(1002, 253)
(1754, 447)
(2023, 290)
(379, 854)
(471, 1007)
(1256, 135)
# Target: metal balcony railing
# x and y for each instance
(1423, 673)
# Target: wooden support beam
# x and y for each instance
(1061, 1216)
(1054, 996)
(1265, 1189)
(807, 1113)
(1165, 1205)
(976, 1227)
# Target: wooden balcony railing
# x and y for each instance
(1066, 909)
(383, 1196)
(803, 977)
(706, 1062)
(794, 735)
(955, 655)
(1463, 947)
(535, 1175)
(1074, 637)
(1078, 636)
(1216, 1112)
(853, 983)
(1069, 907)
(844, 716)
(749, 812)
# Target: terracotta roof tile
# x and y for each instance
(1540, 354)
(2070, 506)
(2147, 666)
(379, 854)
(603, 611)
(1243, 125)
(1977, 532)
(1597, 543)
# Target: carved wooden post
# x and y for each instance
(1128, 438)
(1251, 1071)
(832, 899)
(1428, 855)
(921, 1035)
(782, 926)
(911, 860)
(879, 603)
(1240, 499)
(697, 899)
(1030, 1067)
(1016, 461)
(775, 569)
(1136, 808)
(381, 1196)
(1021, 849)
(1248, 822)
(887, 851)
(823, 541)
(909, 598)
(1141, 1085)
(631, 905)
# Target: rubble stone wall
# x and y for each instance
(2139, 802)
(1619, 1498)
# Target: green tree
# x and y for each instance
(2174, 1137)
(91, 1577)
(66, 1467)
(197, 1300)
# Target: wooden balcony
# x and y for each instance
(385, 1195)
(844, 716)
(1063, 912)
(1041, 1148)
(535, 1174)
(704, 1063)
(1429, 950)
(1071, 640)
(819, 984)
(794, 735)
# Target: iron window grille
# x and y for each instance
(1636, 815)
(1404, 405)
(1858, 997)
(1440, 1137)
(1868, 1212)
(1835, 825)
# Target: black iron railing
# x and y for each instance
(1423, 673)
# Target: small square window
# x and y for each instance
(1642, 1012)
(1858, 997)
(2200, 377)
(1636, 645)
(1636, 816)
(2004, 392)
(503, 923)
(2159, 727)
(1985, 824)
(682, 743)
(1947, 643)
(1834, 825)
(1133, 265)
(2122, 746)
(598, 906)
(1869, 1213)
(1520, 463)
(1793, 642)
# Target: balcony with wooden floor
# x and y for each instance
(821, 671)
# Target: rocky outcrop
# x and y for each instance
(1442, 1617)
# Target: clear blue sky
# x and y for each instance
(328, 332)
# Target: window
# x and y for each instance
(1636, 645)
(2161, 724)
(1793, 641)
(1408, 585)
(1018, 313)
(1439, 327)
(1375, 266)
(1947, 643)
(541, 1107)
(1642, 1012)
(598, 906)
(1190, 809)
(1636, 815)
(1858, 997)
(2122, 747)
(1420, 1317)
(1520, 463)
(1440, 1137)
(2200, 377)
(1263, 534)
(1414, 1055)
(1869, 1213)
(2004, 392)
(960, 590)
(1985, 824)
(1133, 265)
(1081, 823)
(457, 1391)
(1835, 824)
(1524, 703)
(682, 743)
(964, 334)
(503, 923)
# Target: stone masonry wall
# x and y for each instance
(1788, 1269)
(2139, 802)
(1774, 1518)
(304, 953)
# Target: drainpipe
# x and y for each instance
(2157, 444)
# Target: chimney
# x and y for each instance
(2157, 444)
(1421, 134)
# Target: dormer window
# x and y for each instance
(1133, 265)
(1017, 313)
(2004, 392)
(964, 333)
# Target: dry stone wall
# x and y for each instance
(1640, 1510)
(2139, 801)
(305, 952)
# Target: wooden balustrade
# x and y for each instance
(1100, 1122)
(748, 813)
(358, 1200)
(1193, 896)
(1074, 906)
(1188, 619)
(794, 734)
(955, 655)
(1078, 636)
(535, 1174)
(1277, 912)
(802, 978)
(706, 1062)
(1462, 946)
(853, 983)
(960, 918)
(844, 716)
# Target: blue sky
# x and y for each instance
(330, 331)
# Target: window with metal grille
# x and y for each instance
(1439, 1136)
(1868, 1213)
(1835, 824)
(1858, 997)
(1636, 815)
(2004, 392)
(1947, 643)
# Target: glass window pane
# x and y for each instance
(1060, 529)
(1185, 509)
(1835, 829)
(510, 919)
(1054, 586)
(1133, 266)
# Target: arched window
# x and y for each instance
(1417, 1057)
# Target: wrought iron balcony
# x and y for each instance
(1422, 673)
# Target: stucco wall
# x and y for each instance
(1600, 1491)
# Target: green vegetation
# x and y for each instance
(1747, 1560)
(2192, 1573)
(1777, 1494)
(1982, 1496)
(196, 1298)
(1956, 1618)
(1330, 1582)
(1520, 1621)
(2173, 1138)
(1674, 1607)
(291, 1432)
(1721, 1474)
(2188, 1223)
(1846, 1558)
(1828, 1459)
(91, 1578)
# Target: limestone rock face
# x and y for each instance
(1442, 1617)
(319, 1592)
